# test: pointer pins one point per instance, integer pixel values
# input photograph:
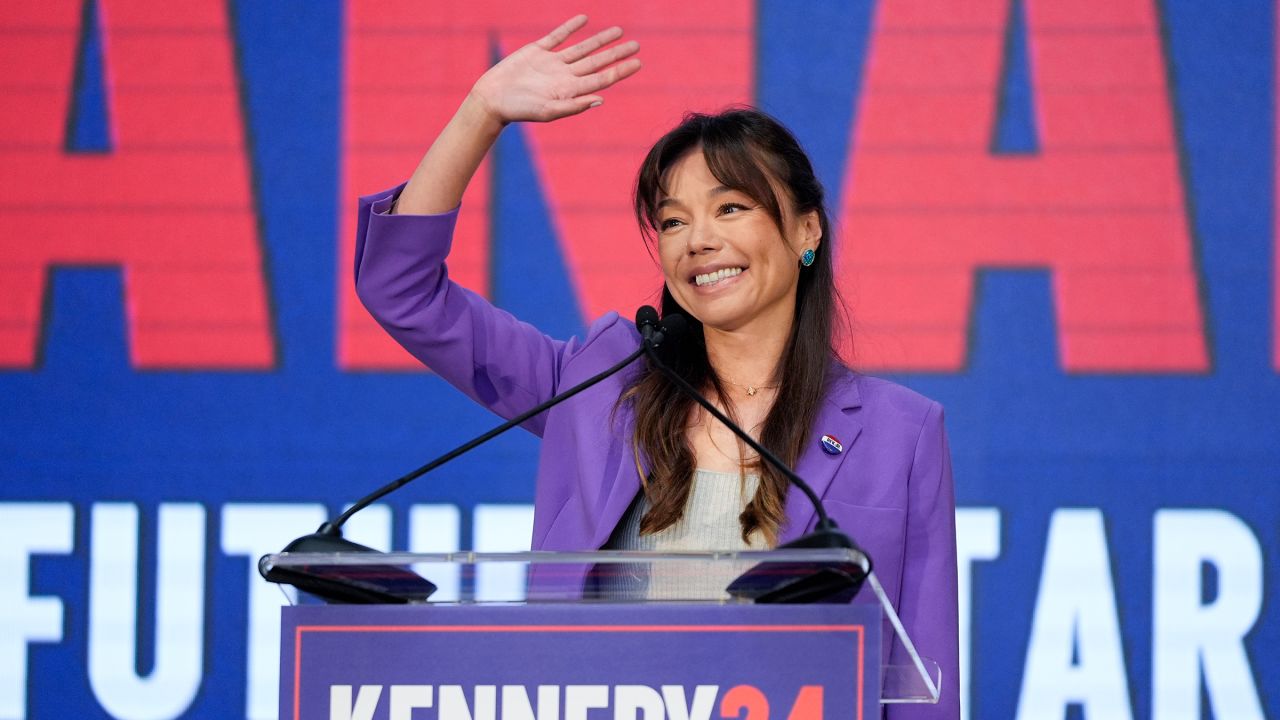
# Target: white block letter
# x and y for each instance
(501, 528)
(27, 529)
(453, 703)
(407, 698)
(977, 538)
(580, 700)
(436, 529)
(704, 702)
(1075, 610)
(169, 688)
(515, 703)
(1188, 636)
(370, 527)
(634, 702)
(341, 708)
(254, 530)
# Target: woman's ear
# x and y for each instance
(811, 230)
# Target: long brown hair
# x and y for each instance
(751, 152)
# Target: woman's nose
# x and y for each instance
(703, 237)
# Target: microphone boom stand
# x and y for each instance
(369, 585)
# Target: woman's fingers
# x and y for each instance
(562, 33)
(588, 46)
(539, 83)
(565, 108)
(596, 82)
(592, 63)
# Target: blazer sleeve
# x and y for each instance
(401, 277)
(928, 600)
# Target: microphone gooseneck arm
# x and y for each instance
(395, 583)
(335, 527)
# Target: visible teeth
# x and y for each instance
(715, 277)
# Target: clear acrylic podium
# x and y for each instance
(702, 579)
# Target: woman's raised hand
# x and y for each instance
(536, 82)
(540, 83)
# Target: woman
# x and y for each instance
(742, 234)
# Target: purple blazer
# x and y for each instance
(891, 489)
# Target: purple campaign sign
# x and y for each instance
(580, 662)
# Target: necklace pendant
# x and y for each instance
(751, 390)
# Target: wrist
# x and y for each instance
(478, 112)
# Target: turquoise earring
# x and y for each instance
(807, 257)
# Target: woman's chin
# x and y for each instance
(728, 317)
(720, 321)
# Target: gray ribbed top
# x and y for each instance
(710, 522)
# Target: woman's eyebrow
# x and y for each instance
(713, 192)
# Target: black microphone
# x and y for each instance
(393, 583)
(772, 582)
(650, 327)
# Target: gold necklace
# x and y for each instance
(751, 390)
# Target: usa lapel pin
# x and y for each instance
(831, 446)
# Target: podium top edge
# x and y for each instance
(843, 555)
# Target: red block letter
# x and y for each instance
(744, 702)
(407, 69)
(1101, 204)
(171, 203)
(808, 704)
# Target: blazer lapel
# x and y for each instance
(837, 418)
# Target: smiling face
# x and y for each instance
(724, 259)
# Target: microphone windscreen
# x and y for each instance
(646, 316)
(674, 326)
